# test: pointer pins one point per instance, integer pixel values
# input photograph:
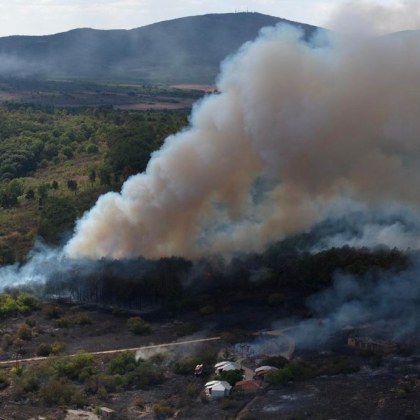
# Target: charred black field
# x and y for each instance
(250, 311)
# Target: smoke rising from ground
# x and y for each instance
(389, 307)
(310, 125)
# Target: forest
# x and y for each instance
(55, 162)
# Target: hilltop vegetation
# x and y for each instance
(186, 50)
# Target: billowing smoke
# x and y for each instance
(362, 17)
(296, 129)
(387, 308)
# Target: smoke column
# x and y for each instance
(296, 128)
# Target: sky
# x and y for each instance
(41, 17)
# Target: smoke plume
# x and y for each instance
(388, 308)
(295, 129)
(361, 17)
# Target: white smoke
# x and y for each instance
(315, 124)
(366, 18)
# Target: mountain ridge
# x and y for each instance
(187, 49)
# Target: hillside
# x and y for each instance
(188, 49)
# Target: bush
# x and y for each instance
(24, 332)
(163, 411)
(14, 303)
(80, 318)
(51, 311)
(139, 373)
(78, 367)
(44, 349)
(230, 376)
(6, 341)
(61, 392)
(57, 347)
(138, 325)
(103, 382)
(4, 382)
(295, 370)
(122, 363)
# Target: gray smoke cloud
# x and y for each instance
(314, 124)
(366, 18)
(388, 306)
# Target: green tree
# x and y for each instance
(72, 185)
(92, 175)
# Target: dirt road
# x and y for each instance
(6, 363)
(275, 333)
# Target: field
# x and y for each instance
(76, 93)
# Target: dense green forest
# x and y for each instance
(54, 162)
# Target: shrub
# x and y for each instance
(51, 311)
(24, 332)
(163, 411)
(61, 392)
(6, 341)
(194, 389)
(122, 363)
(82, 318)
(57, 347)
(14, 303)
(138, 325)
(295, 370)
(230, 376)
(78, 367)
(4, 382)
(44, 349)
(103, 382)
(63, 322)
(140, 373)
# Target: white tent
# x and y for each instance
(226, 366)
(217, 389)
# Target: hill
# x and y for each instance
(187, 49)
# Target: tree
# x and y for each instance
(92, 175)
(72, 185)
(138, 325)
(8, 198)
(42, 192)
(57, 217)
(30, 194)
(104, 173)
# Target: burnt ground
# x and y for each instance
(388, 390)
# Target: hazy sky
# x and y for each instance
(39, 17)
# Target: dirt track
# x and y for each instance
(287, 354)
